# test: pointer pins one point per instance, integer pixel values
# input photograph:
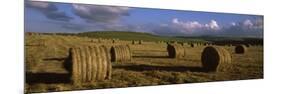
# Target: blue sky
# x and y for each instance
(63, 17)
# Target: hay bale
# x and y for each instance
(113, 41)
(173, 42)
(213, 58)
(89, 64)
(229, 45)
(192, 45)
(240, 49)
(99, 40)
(247, 45)
(175, 51)
(205, 44)
(140, 42)
(120, 53)
(181, 43)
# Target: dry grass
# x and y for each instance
(149, 65)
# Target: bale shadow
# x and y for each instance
(47, 78)
(150, 56)
(160, 68)
(51, 78)
(54, 58)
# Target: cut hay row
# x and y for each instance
(120, 53)
(175, 50)
(39, 42)
(240, 49)
(213, 58)
(137, 42)
(90, 64)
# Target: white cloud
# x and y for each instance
(213, 25)
(175, 21)
(251, 24)
(190, 26)
(248, 23)
(233, 24)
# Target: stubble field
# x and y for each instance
(45, 62)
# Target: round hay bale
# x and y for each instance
(113, 41)
(175, 51)
(205, 44)
(140, 41)
(173, 42)
(229, 45)
(181, 43)
(192, 45)
(89, 64)
(240, 49)
(213, 58)
(247, 45)
(99, 40)
(120, 53)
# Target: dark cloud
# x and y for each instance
(73, 27)
(49, 10)
(104, 14)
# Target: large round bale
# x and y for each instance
(240, 49)
(89, 64)
(213, 58)
(120, 53)
(175, 50)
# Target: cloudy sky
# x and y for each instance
(63, 17)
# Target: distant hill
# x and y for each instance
(127, 35)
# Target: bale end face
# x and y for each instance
(175, 51)
(213, 58)
(120, 53)
(240, 49)
(192, 45)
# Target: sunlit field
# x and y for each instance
(46, 61)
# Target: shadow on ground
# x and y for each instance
(160, 68)
(150, 56)
(48, 78)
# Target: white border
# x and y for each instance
(11, 68)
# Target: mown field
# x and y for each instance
(45, 57)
